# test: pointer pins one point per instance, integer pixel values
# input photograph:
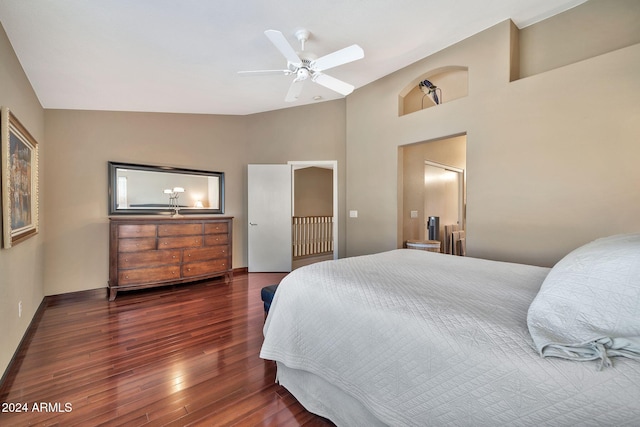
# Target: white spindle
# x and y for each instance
(312, 235)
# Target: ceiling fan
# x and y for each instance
(304, 66)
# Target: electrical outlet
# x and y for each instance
(19, 308)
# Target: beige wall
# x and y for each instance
(375, 131)
(594, 28)
(311, 132)
(82, 142)
(22, 266)
(313, 192)
(550, 160)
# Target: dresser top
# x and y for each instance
(166, 218)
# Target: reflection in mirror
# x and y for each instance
(143, 189)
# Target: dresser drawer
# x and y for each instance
(216, 239)
(179, 229)
(216, 227)
(134, 245)
(148, 275)
(136, 230)
(179, 242)
(201, 254)
(148, 258)
(193, 269)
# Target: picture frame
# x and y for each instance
(19, 180)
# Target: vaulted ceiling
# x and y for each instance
(183, 56)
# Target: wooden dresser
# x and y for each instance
(146, 252)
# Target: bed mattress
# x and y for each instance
(419, 338)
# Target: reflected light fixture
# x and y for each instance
(173, 199)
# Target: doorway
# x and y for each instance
(313, 213)
(439, 166)
(271, 207)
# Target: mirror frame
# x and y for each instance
(113, 186)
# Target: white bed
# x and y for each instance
(418, 338)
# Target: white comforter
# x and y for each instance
(421, 338)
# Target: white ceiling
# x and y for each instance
(183, 56)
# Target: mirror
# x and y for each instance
(144, 189)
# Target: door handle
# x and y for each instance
(251, 223)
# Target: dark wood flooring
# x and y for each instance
(175, 356)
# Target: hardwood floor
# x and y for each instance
(175, 356)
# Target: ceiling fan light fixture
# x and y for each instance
(307, 67)
(302, 74)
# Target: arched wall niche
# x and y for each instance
(452, 82)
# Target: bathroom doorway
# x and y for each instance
(432, 183)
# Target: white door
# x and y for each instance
(269, 215)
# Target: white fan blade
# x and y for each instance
(283, 46)
(339, 57)
(264, 72)
(333, 84)
(294, 90)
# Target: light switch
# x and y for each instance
(353, 214)
(414, 214)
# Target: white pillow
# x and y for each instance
(588, 307)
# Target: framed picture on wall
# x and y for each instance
(19, 181)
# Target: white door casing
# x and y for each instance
(329, 164)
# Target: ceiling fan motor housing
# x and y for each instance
(303, 71)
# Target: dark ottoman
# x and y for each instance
(267, 293)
